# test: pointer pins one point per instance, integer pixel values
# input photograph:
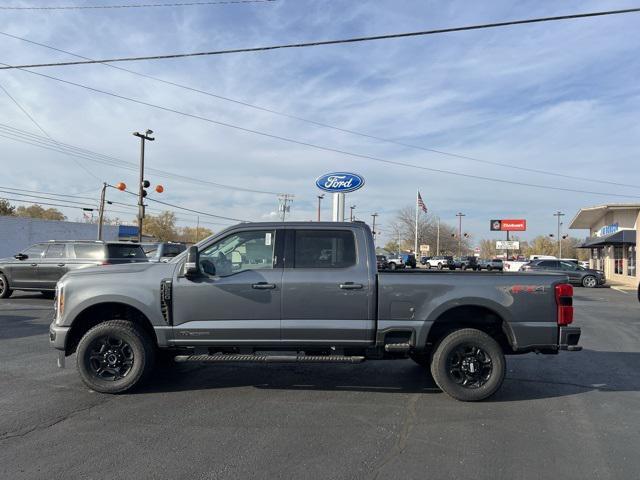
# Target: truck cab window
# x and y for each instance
(251, 250)
(324, 249)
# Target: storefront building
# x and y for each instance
(612, 240)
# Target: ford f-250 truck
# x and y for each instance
(305, 292)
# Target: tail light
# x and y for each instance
(564, 300)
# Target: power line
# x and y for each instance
(42, 197)
(12, 133)
(330, 42)
(33, 120)
(326, 125)
(139, 5)
(195, 211)
(44, 203)
(325, 148)
(46, 193)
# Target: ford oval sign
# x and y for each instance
(340, 182)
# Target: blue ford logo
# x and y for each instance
(340, 182)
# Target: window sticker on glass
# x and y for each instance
(267, 238)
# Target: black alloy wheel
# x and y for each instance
(110, 358)
(469, 366)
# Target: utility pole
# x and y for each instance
(373, 227)
(438, 238)
(141, 187)
(320, 197)
(351, 208)
(460, 215)
(284, 199)
(103, 193)
(559, 214)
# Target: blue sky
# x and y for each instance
(560, 96)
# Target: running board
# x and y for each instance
(221, 358)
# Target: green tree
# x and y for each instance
(161, 226)
(6, 208)
(37, 211)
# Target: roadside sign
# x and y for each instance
(510, 225)
(507, 245)
(340, 182)
(424, 248)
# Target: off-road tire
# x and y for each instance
(445, 354)
(5, 290)
(142, 349)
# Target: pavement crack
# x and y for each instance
(45, 425)
(566, 384)
(400, 444)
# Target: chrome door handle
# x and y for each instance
(350, 286)
(263, 286)
(34, 264)
(61, 264)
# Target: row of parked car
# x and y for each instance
(39, 267)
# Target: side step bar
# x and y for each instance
(397, 347)
(221, 358)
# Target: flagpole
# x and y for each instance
(415, 241)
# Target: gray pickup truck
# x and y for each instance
(305, 292)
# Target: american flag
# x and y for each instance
(421, 203)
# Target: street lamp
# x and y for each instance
(320, 197)
(141, 187)
(460, 215)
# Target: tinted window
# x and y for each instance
(35, 251)
(568, 266)
(88, 251)
(173, 250)
(125, 252)
(548, 264)
(150, 249)
(324, 249)
(251, 250)
(56, 250)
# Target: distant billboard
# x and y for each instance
(510, 225)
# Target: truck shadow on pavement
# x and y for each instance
(528, 378)
(20, 326)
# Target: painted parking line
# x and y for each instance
(622, 290)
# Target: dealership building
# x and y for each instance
(612, 239)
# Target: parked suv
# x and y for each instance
(163, 251)
(494, 264)
(409, 260)
(440, 262)
(577, 275)
(40, 266)
(381, 262)
(464, 263)
(395, 262)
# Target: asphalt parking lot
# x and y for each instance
(575, 415)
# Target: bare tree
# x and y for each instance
(403, 228)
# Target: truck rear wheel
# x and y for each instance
(114, 356)
(468, 365)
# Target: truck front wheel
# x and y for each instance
(468, 365)
(114, 356)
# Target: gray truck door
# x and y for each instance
(327, 297)
(24, 273)
(54, 265)
(237, 300)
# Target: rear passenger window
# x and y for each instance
(125, 252)
(88, 251)
(56, 250)
(324, 249)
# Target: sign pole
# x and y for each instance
(415, 240)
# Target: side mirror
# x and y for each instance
(192, 265)
(20, 256)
